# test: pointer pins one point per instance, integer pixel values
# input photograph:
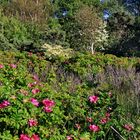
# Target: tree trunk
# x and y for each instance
(92, 48)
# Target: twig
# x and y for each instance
(117, 132)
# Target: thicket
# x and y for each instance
(62, 99)
(81, 25)
(58, 77)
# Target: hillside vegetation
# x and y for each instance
(62, 99)
(69, 70)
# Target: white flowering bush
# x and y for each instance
(57, 51)
(101, 37)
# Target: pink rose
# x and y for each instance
(35, 137)
(4, 104)
(13, 65)
(104, 120)
(89, 119)
(77, 126)
(107, 115)
(30, 85)
(35, 77)
(36, 90)
(34, 101)
(128, 127)
(1, 66)
(69, 138)
(47, 109)
(94, 128)
(1, 106)
(48, 103)
(24, 137)
(93, 99)
(32, 122)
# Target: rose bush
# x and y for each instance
(35, 105)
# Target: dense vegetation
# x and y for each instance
(69, 70)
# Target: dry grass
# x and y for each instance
(125, 82)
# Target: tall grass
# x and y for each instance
(125, 84)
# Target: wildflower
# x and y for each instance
(35, 77)
(1, 66)
(107, 115)
(48, 103)
(128, 127)
(69, 138)
(34, 101)
(24, 137)
(77, 126)
(35, 137)
(13, 65)
(32, 122)
(30, 85)
(94, 128)
(47, 109)
(36, 90)
(89, 119)
(4, 104)
(103, 120)
(93, 99)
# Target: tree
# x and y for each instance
(92, 27)
(37, 11)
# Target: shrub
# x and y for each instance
(15, 34)
(31, 107)
(57, 52)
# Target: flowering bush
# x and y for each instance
(34, 108)
(57, 51)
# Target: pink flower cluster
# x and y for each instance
(34, 101)
(1, 66)
(69, 138)
(13, 66)
(4, 104)
(35, 91)
(94, 128)
(105, 119)
(93, 99)
(128, 127)
(32, 122)
(89, 119)
(31, 85)
(26, 137)
(35, 77)
(48, 104)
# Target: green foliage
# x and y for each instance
(12, 31)
(21, 73)
(15, 34)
